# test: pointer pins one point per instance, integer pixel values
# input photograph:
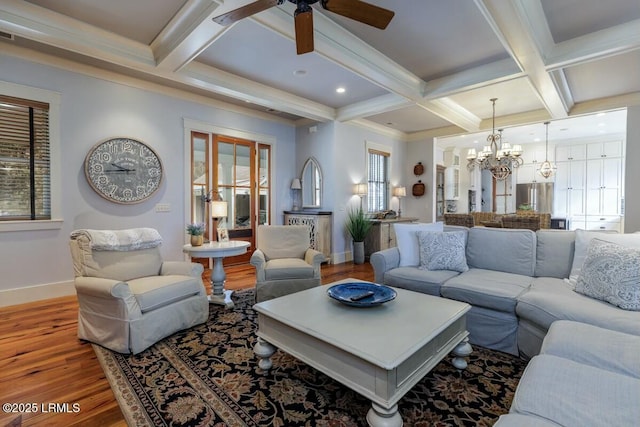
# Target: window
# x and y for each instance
(378, 180)
(25, 172)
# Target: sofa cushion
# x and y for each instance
(487, 288)
(576, 395)
(407, 241)
(122, 266)
(158, 291)
(287, 268)
(593, 346)
(611, 273)
(498, 249)
(554, 253)
(582, 244)
(519, 420)
(549, 299)
(283, 241)
(414, 279)
(443, 251)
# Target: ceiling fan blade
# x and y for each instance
(304, 31)
(360, 11)
(244, 11)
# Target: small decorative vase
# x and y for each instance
(197, 240)
(358, 252)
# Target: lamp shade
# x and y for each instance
(218, 209)
(400, 191)
(295, 184)
(361, 189)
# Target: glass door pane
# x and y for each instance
(264, 184)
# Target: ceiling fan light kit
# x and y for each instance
(357, 10)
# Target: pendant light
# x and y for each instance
(547, 168)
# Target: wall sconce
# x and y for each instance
(296, 186)
(400, 192)
(360, 190)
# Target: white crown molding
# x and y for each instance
(604, 104)
(114, 77)
(434, 133)
(452, 112)
(40, 24)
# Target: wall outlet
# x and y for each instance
(163, 207)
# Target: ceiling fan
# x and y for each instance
(354, 9)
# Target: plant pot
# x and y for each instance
(197, 240)
(358, 252)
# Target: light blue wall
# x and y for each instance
(340, 149)
(95, 109)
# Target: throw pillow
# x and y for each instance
(407, 241)
(582, 244)
(611, 273)
(443, 251)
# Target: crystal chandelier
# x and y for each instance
(547, 168)
(499, 157)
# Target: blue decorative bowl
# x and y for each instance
(361, 294)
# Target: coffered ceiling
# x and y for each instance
(430, 73)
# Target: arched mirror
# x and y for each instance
(311, 184)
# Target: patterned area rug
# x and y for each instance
(208, 376)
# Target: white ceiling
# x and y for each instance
(430, 73)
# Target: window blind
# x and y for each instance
(25, 190)
(378, 188)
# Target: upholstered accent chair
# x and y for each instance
(465, 220)
(284, 260)
(128, 297)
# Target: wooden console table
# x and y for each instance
(382, 235)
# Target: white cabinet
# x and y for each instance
(569, 198)
(589, 185)
(604, 177)
(604, 149)
(452, 183)
(529, 173)
(571, 152)
(319, 223)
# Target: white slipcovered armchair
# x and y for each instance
(128, 297)
(284, 260)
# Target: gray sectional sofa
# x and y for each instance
(515, 284)
(583, 376)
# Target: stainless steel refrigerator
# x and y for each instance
(538, 195)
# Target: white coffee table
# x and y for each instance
(218, 251)
(380, 352)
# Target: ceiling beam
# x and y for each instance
(188, 33)
(600, 44)
(517, 25)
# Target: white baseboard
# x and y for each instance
(36, 293)
(341, 258)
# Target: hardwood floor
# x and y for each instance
(43, 363)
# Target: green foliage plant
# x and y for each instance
(358, 224)
(195, 229)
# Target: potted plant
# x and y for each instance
(358, 225)
(196, 230)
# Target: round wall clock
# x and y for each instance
(123, 170)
